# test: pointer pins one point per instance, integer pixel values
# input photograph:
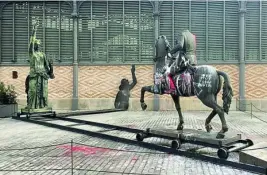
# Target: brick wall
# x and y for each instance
(98, 85)
(256, 84)
(104, 81)
(60, 88)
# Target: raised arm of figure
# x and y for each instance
(33, 38)
(133, 77)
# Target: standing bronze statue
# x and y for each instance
(122, 97)
(41, 69)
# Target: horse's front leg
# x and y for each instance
(176, 100)
(152, 89)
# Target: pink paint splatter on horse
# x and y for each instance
(172, 86)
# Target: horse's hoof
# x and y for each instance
(208, 128)
(144, 106)
(180, 127)
(220, 135)
(225, 129)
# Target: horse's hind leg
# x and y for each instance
(208, 120)
(176, 100)
(210, 101)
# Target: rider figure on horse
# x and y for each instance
(186, 45)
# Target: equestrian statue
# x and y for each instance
(182, 77)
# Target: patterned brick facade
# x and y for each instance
(59, 88)
(256, 84)
(102, 82)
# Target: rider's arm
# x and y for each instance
(179, 46)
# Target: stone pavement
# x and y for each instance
(97, 156)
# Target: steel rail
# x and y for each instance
(77, 113)
(127, 129)
(97, 124)
(238, 165)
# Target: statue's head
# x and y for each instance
(124, 84)
(37, 44)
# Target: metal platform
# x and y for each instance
(230, 143)
(36, 112)
(195, 135)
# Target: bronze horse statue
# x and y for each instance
(205, 83)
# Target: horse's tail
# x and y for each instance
(227, 91)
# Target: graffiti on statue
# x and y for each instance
(123, 95)
(205, 80)
(184, 84)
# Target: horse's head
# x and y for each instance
(162, 47)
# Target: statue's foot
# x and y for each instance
(208, 127)
(180, 127)
(143, 106)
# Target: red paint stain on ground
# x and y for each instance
(82, 149)
(134, 159)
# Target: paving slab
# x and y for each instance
(43, 150)
(255, 155)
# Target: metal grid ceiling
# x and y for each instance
(55, 30)
(215, 24)
(116, 32)
(231, 30)
(264, 30)
(123, 31)
(256, 30)
(252, 31)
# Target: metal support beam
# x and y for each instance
(260, 28)
(242, 11)
(207, 31)
(44, 26)
(224, 30)
(156, 19)
(107, 35)
(1, 9)
(123, 32)
(173, 36)
(75, 58)
(28, 18)
(190, 15)
(139, 31)
(59, 31)
(91, 31)
(13, 34)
